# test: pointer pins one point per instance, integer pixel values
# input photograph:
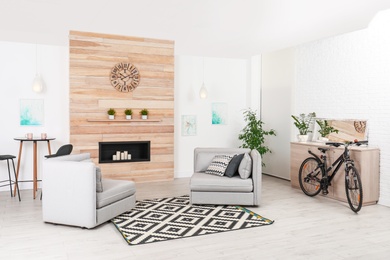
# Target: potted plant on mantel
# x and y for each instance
(325, 130)
(144, 113)
(111, 113)
(128, 113)
(253, 135)
(303, 123)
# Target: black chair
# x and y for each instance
(10, 181)
(63, 150)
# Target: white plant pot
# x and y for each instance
(323, 139)
(144, 116)
(303, 138)
(111, 117)
(128, 116)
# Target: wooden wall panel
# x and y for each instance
(92, 57)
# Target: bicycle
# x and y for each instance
(314, 174)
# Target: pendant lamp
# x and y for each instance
(38, 82)
(203, 91)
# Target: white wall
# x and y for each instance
(17, 71)
(226, 81)
(278, 77)
(348, 76)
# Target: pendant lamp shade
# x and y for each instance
(37, 84)
(203, 92)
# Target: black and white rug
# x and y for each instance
(170, 218)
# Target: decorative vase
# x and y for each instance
(111, 117)
(128, 116)
(303, 138)
(144, 116)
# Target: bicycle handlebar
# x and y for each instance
(355, 142)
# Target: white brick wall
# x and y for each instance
(348, 76)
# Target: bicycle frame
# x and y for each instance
(343, 158)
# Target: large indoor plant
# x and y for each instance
(325, 129)
(253, 135)
(303, 123)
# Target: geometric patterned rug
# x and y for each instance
(171, 218)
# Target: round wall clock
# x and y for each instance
(124, 77)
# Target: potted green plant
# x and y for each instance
(303, 122)
(144, 113)
(111, 113)
(325, 130)
(128, 113)
(253, 135)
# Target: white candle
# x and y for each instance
(126, 153)
(118, 155)
(122, 156)
(129, 157)
(114, 157)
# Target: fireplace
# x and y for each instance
(119, 152)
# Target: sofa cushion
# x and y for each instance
(219, 164)
(245, 168)
(232, 168)
(114, 190)
(207, 182)
(99, 184)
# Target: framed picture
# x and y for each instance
(188, 125)
(31, 112)
(219, 113)
(348, 129)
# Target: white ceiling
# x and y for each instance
(221, 28)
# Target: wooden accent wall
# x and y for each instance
(91, 94)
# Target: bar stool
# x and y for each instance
(10, 181)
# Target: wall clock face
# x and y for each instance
(124, 77)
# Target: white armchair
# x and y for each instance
(211, 189)
(70, 197)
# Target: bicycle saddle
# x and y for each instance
(323, 149)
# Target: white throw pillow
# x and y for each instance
(245, 168)
(99, 184)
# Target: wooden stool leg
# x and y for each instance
(16, 180)
(18, 166)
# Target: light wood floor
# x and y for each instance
(304, 228)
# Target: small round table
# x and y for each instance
(35, 152)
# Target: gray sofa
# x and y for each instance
(70, 197)
(222, 190)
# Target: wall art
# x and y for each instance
(188, 125)
(31, 112)
(219, 113)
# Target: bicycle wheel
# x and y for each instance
(310, 175)
(353, 188)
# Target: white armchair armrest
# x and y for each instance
(69, 189)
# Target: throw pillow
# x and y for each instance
(99, 184)
(245, 168)
(232, 168)
(219, 164)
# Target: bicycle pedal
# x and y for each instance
(325, 192)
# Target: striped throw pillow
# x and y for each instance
(219, 164)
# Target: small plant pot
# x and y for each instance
(128, 117)
(303, 138)
(323, 139)
(111, 117)
(144, 116)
